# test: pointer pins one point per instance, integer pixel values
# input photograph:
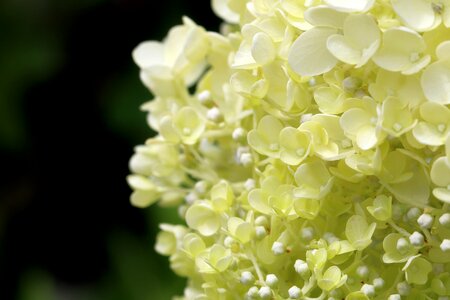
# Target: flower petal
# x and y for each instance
(417, 14)
(435, 82)
(309, 55)
(350, 6)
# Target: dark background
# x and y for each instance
(69, 119)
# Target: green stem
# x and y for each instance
(399, 229)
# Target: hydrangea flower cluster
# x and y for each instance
(307, 147)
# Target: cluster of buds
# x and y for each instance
(307, 148)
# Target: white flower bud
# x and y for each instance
(394, 297)
(403, 288)
(204, 96)
(413, 213)
(246, 159)
(278, 248)
(294, 292)
(307, 233)
(262, 221)
(214, 114)
(445, 245)
(250, 184)
(201, 187)
(368, 290)
(301, 267)
(402, 245)
(191, 198)
(362, 271)
(444, 220)
(247, 277)
(425, 221)
(330, 237)
(239, 134)
(378, 283)
(252, 292)
(265, 292)
(260, 232)
(416, 239)
(271, 280)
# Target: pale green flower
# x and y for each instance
(214, 260)
(402, 51)
(434, 126)
(307, 147)
(264, 139)
(423, 15)
(349, 6)
(417, 269)
(182, 55)
(436, 77)
(359, 41)
(440, 175)
(362, 124)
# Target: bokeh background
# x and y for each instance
(69, 119)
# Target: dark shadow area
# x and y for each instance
(69, 120)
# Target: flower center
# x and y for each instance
(397, 127)
(441, 127)
(274, 147)
(187, 131)
(413, 57)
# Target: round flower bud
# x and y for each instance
(265, 292)
(307, 233)
(362, 271)
(294, 292)
(402, 245)
(301, 267)
(368, 290)
(239, 134)
(260, 232)
(246, 159)
(403, 288)
(278, 248)
(250, 184)
(444, 220)
(445, 245)
(425, 221)
(330, 237)
(378, 283)
(351, 84)
(413, 213)
(395, 297)
(247, 277)
(191, 198)
(204, 97)
(201, 187)
(271, 280)
(214, 114)
(252, 292)
(262, 221)
(416, 239)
